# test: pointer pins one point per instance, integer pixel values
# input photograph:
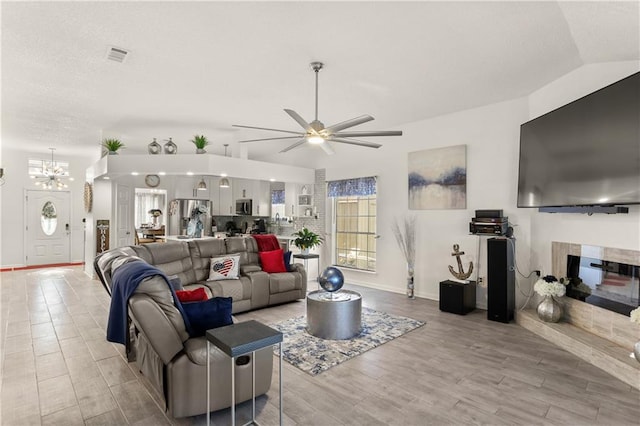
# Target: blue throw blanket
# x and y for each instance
(125, 280)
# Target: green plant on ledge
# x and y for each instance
(200, 141)
(306, 239)
(112, 145)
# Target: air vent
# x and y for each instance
(117, 54)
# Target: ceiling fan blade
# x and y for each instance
(269, 139)
(349, 123)
(295, 145)
(306, 126)
(328, 149)
(355, 134)
(266, 128)
(355, 142)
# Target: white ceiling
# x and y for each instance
(199, 67)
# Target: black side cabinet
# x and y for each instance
(457, 298)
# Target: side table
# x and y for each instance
(457, 298)
(334, 318)
(305, 258)
(240, 339)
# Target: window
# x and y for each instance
(354, 207)
(277, 203)
(150, 208)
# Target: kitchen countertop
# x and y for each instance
(185, 238)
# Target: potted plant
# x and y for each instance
(306, 240)
(200, 141)
(112, 145)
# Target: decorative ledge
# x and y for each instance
(602, 353)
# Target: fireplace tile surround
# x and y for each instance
(599, 336)
(601, 322)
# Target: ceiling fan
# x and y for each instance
(316, 133)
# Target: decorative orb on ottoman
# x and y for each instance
(331, 279)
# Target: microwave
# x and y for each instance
(244, 207)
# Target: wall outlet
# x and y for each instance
(482, 282)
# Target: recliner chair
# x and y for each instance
(174, 363)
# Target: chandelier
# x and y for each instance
(50, 175)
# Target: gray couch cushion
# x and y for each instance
(171, 258)
(201, 253)
(238, 290)
(247, 249)
(285, 281)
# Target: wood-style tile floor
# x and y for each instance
(58, 369)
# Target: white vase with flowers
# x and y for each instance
(634, 316)
(549, 309)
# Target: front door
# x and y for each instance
(48, 230)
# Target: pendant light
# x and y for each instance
(202, 185)
(224, 182)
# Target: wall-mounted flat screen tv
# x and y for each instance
(586, 153)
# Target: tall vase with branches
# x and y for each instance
(405, 233)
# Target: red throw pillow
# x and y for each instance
(197, 295)
(272, 261)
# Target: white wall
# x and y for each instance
(491, 134)
(12, 243)
(620, 230)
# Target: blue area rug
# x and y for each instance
(314, 355)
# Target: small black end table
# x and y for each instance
(240, 339)
(457, 298)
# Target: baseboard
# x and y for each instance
(50, 265)
(423, 295)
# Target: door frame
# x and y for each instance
(25, 221)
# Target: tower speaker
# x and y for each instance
(501, 277)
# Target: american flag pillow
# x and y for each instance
(224, 268)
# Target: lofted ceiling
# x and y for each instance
(199, 67)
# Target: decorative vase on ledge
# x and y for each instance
(549, 310)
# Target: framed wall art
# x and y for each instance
(438, 178)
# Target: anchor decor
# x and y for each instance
(461, 275)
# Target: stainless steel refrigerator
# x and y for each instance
(180, 211)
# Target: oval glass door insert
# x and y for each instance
(49, 218)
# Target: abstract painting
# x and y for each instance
(438, 178)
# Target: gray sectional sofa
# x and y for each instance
(173, 362)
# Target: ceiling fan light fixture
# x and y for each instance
(315, 139)
(315, 132)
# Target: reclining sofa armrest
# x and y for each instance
(299, 267)
(152, 321)
(102, 264)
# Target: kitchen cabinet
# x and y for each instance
(258, 191)
(262, 198)
(242, 189)
(223, 202)
(185, 188)
(298, 199)
(290, 199)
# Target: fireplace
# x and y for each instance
(602, 322)
(610, 285)
(599, 336)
